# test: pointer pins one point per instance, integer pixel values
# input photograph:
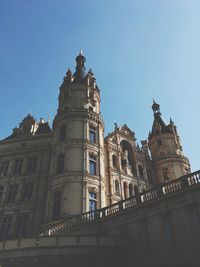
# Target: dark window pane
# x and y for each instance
(12, 193)
(1, 192)
(6, 227)
(27, 192)
(92, 164)
(56, 205)
(141, 173)
(32, 164)
(92, 201)
(4, 168)
(117, 192)
(62, 133)
(18, 166)
(22, 226)
(92, 135)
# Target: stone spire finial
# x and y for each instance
(156, 107)
(80, 68)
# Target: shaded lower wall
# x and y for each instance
(163, 233)
(66, 251)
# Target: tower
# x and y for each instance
(166, 150)
(77, 180)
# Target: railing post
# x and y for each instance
(121, 205)
(138, 198)
(184, 181)
(96, 214)
(160, 191)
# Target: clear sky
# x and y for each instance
(137, 49)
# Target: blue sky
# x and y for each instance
(137, 49)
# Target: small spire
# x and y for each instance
(80, 68)
(171, 121)
(156, 107)
(115, 125)
(68, 76)
(90, 72)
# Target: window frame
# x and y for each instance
(92, 164)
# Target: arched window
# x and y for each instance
(125, 189)
(27, 192)
(56, 205)
(130, 187)
(136, 189)
(60, 163)
(114, 161)
(62, 133)
(141, 173)
(117, 191)
(12, 193)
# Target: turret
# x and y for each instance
(77, 182)
(166, 150)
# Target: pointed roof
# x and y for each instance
(43, 128)
(159, 124)
(80, 68)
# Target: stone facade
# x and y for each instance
(50, 174)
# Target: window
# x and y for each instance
(4, 168)
(1, 192)
(12, 193)
(27, 192)
(6, 227)
(125, 189)
(22, 226)
(92, 201)
(165, 172)
(62, 133)
(92, 163)
(149, 176)
(114, 161)
(117, 192)
(92, 133)
(60, 163)
(32, 164)
(136, 191)
(130, 187)
(18, 166)
(159, 142)
(141, 173)
(56, 205)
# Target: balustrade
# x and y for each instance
(186, 181)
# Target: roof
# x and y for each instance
(43, 128)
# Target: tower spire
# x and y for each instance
(156, 107)
(80, 68)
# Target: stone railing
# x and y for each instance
(184, 182)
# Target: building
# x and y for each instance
(50, 174)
